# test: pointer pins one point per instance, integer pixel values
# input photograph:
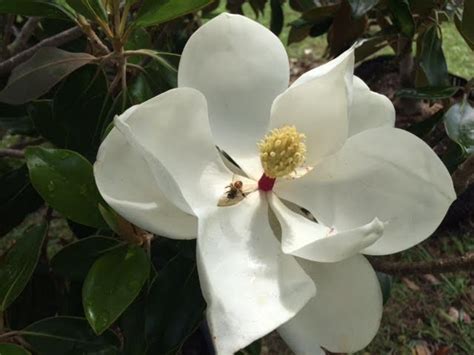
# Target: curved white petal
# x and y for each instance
(318, 107)
(346, 313)
(313, 241)
(369, 109)
(172, 132)
(240, 66)
(127, 185)
(383, 172)
(250, 286)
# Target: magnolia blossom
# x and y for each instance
(285, 187)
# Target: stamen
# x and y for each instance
(282, 151)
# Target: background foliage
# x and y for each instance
(75, 278)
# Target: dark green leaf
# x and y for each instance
(453, 156)
(75, 260)
(174, 307)
(20, 262)
(139, 39)
(69, 336)
(39, 74)
(15, 119)
(277, 18)
(428, 125)
(302, 5)
(154, 12)
(429, 93)
(369, 47)
(65, 181)
(44, 8)
(402, 16)
(467, 25)
(112, 284)
(91, 9)
(140, 90)
(132, 324)
(17, 198)
(385, 284)
(321, 12)
(361, 7)
(432, 59)
(253, 349)
(12, 349)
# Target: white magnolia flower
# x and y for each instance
(327, 144)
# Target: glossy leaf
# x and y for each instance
(66, 182)
(69, 336)
(459, 124)
(402, 16)
(44, 8)
(277, 17)
(154, 12)
(467, 25)
(13, 349)
(174, 306)
(385, 281)
(39, 74)
(15, 119)
(17, 198)
(112, 284)
(75, 260)
(429, 93)
(91, 9)
(361, 7)
(432, 59)
(18, 265)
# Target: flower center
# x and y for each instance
(282, 151)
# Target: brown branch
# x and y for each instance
(439, 266)
(25, 34)
(11, 153)
(54, 41)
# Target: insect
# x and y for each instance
(233, 194)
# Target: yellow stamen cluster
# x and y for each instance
(282, 151)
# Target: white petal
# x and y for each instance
(172, 132)
(344, 316)
(126, 184)
(369, 109)
(313, 241)
(383, 172)
(318, 108)
(240, 66)
(250, 286)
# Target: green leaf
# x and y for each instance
(385, 281)
(427, 126)
(402, 16)
(20, 262)
(253, 349)
(132, 324)
(43, 8)
(432, 59)
(140, 90)
(112, 284)
(12, 349)
(174, 306)
(91, 9)
(17, 198)
(75, 260)
(459, 124)
(66, 182)
(429, 93)
(39, 74)
(467, 25)
(154, 12)
(277, 17)
(15, 119)
(361, 7)
(69, 336)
